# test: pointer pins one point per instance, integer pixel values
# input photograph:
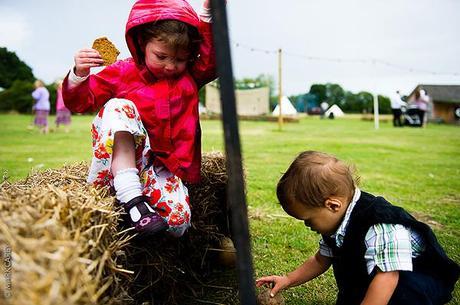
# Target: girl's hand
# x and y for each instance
(86, 59)
(278, 283)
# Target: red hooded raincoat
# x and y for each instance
(168, 108)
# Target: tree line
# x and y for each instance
(16, 85)
(318, 93)
(349, 102)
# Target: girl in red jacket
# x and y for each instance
(146, 135)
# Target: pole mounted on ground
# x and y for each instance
(235, 189)
(376, 111)
(280, 88)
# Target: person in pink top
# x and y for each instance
(63, 115)
(421, 102)
(146, 135)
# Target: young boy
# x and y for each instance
(380, 254)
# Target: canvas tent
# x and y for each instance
(335, 110)
(286, 108)
(249, 102)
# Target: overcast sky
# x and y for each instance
(372, 45)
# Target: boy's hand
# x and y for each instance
(278, 282)
(85, 59)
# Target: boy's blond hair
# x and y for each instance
(314, 177)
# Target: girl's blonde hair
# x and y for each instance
(314, 177)
(39, 83)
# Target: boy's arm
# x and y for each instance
(381, 288)
(311, 268)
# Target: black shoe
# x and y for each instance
(150, 222)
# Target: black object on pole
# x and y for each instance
(235, 189)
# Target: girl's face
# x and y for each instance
(164, 61)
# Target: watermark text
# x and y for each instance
(7, 267)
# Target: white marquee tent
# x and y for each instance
(286, 108)
(335, 110)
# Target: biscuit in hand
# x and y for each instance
(107, 50)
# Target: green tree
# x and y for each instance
(53, 92)
(262, 80)
(348, 101)
(335, 94)
(351, 103)
(274, 99)
(18, 97)
(384, 104)
(202, 95)
(366, 100)
(267, 80)
(320, 91)
(12, 69)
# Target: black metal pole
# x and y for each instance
(235, 189)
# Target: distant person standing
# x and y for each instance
(63, 115)
(396, 104)
(41, 106)
(421, 102)
(425, 100)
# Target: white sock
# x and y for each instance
(128, 186)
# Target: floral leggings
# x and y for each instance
(168, 195)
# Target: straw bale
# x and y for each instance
(68, 246)
(170, 271)
(62, 235)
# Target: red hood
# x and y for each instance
(145, 11)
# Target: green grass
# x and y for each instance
(418, 169)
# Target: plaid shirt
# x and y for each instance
(389, 247)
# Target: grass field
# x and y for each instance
(418, 169)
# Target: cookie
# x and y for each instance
(107, 50)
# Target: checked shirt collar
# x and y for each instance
(339, 235)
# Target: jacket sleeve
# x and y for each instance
(95, 91)
(204, 68)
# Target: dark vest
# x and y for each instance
(350, 266)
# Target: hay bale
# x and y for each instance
(170, 270)
(67, 246)
(63, 236)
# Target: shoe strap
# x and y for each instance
(136, 202)
(143, 208)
